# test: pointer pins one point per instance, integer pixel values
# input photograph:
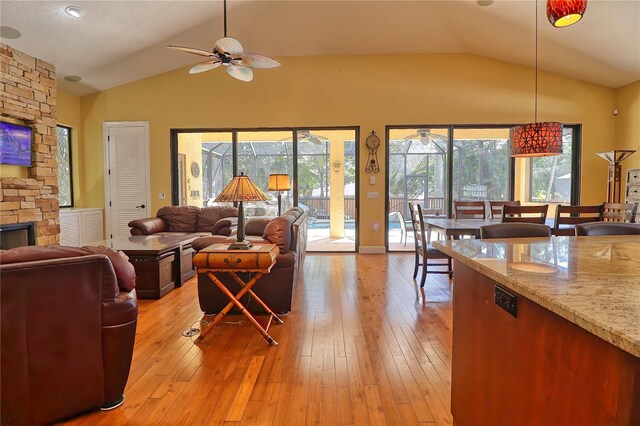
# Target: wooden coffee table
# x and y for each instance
(162, 261)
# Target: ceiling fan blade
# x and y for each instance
(204, 66)
(257, 61)
(229, 45)
(239, 72)
(314, 140)
(191, 50)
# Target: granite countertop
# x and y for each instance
(594, 282)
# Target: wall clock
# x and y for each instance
(195, 169)
(373, 142)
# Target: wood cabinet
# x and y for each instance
(81, 226)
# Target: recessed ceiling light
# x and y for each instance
(9, 33)
(73, 78)
(485, 2)
(74, 11)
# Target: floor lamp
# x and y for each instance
(240, 189)
(615, 171)
(279, 182)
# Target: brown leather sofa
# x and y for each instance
(68, 327)
(219, 220)
(289, 233)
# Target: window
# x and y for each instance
(481, 164)
(552, 178)
(63, 155)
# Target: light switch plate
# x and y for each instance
(372, 180)
(373, 195)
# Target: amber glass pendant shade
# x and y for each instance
(536, 139)
(562, 13)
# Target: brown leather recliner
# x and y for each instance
(68, 327)
(219, 220)
(289, 233)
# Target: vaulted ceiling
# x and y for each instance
(116, 42)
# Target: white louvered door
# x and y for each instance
(128, 175)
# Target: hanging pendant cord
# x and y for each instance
(536, 98)
(225, 18)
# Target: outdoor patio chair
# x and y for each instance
(404, 226)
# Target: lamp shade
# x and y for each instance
(241, 188)
(562, 13)
(536, 139)
(279, 182)
(616, 156)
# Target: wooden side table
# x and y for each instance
(258, 260)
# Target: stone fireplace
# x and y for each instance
(28, 92)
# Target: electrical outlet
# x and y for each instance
(162, 196)
(506, 301)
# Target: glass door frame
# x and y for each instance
(173, 144)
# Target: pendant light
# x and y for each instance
(536, 139)
(562, 13)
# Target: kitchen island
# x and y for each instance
(546, 331)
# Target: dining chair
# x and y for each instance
(567, 217)
(619, 212)
(607, 228)
(469, 209)
(424, 249)
(537, 214)
(404, 229)
(495, 207)
(514, 230)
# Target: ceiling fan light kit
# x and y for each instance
(229, 53)
(563, 13)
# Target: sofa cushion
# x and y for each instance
(125, 272)
(180, 218)
(278, 232)
(148, 226)
(256, 225)
(208, 217)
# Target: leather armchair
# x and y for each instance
(68, 327)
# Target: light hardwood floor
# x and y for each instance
(361, 346)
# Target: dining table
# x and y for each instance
(456, 228)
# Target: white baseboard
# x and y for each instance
(372, 250)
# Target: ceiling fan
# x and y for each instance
(229, 53)
(306, 135)
(425, 136)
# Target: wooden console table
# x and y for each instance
(258, 261)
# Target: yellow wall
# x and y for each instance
(69, 114)
(627, 121)
(190, 144)
(368, 91)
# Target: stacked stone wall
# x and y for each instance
(28, 92)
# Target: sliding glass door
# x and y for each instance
(417, 164)
(321, 164)
(327, 187)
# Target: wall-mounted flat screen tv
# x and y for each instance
(15, 144)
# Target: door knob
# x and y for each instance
(141, 206)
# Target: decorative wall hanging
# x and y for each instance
(562, 13)
(229, 53)
(373, 142)
(195, 169)
(536, 139)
